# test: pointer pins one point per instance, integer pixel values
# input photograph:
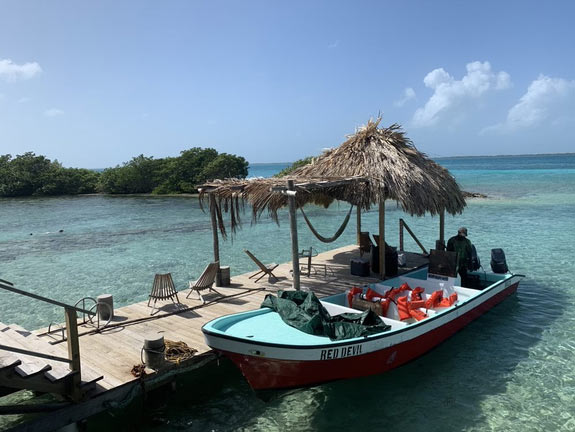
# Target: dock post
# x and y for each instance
(215, 238)
(73, 351)
(293, 231)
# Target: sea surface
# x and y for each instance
(511, 370)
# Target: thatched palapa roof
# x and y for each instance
(395, 170)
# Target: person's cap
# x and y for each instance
(462, 231)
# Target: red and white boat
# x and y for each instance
(273, 355)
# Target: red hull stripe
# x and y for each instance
(268, 373)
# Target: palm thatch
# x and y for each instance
(374, 164)
(395, 170)
(265, 194)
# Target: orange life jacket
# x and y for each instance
(372, 295)
(353, 291)
(407, 309)
(393, 292)
(416, 294)
(434, 300)
(446, 302)
(437, 300)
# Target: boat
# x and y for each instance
(274, 355)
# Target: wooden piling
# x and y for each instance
(293, 232)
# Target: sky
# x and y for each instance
(93, 84)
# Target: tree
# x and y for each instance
(224, 166)
(296, 164)
(29, 174)
(140, 175)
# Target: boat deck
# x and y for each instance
(114, 351)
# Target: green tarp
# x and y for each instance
(303, 311)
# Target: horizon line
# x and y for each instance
(458, 157)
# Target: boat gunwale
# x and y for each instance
(363, 339)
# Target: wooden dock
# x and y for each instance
(113, 351)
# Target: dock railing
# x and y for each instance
(71, 313)
(403, 225)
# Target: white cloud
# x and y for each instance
(548, 100)
(53, 112)
(449, 93)
(408, 94)
(10, 71)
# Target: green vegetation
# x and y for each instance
(296, 164)
(29, 174)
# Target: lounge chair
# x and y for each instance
(264, 269)
(205, 281)
(163, 289)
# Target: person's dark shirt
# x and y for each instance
(462, 246)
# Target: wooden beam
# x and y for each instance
(294, 239)
(401, 235)
(8, 286)
(215, 238)
(382, 238)
(34, 353)
(442, 229)
(358, 225)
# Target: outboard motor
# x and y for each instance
(498, 262)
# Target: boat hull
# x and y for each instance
(357, 360)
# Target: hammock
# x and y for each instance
(337, 233)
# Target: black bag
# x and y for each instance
(474, 262)
(498, 262)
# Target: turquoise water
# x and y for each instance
(511, 370)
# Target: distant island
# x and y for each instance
(32, 175)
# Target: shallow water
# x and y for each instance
(510, 370)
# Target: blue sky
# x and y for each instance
(94, 84)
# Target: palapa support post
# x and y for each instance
(358, 225)
(441, 242)
(73, 351)
(401, 235)
(293, 231)
(215, 237)
(382, 237)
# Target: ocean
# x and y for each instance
(510, 370)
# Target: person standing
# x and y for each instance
(461, 245)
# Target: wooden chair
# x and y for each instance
(205, 281)
(364, 243)
(163, 289)
(264, 269)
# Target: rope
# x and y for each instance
(337, 233)
(174, 352)
(177, 352)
